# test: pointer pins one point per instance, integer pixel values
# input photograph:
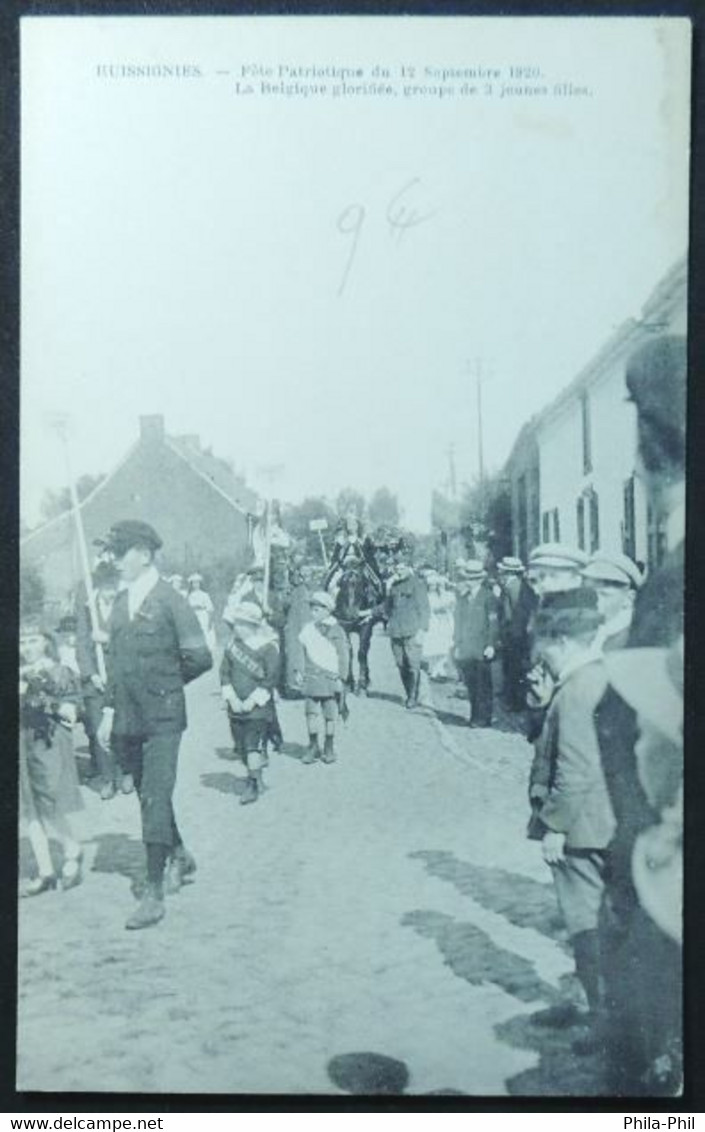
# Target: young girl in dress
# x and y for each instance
(49, 790)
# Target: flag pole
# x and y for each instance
(62, 429)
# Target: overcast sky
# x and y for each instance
(181, 249)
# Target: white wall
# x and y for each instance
(613, 443)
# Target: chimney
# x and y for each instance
(152, 429)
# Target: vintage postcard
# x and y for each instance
(353, 373)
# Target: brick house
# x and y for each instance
(200, 507)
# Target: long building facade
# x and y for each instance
(573, 466)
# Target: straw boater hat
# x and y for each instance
(557, 556)
(510, 565)
(472, 570)
(613, 570)
(321, 598)
(195, 578)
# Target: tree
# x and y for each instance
(350, 500)
(56, 502)
(384, 508)
(486, 518)
(296, 519)
(32, 591)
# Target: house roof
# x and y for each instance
(218, 472)
(215, 471)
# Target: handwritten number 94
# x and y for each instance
(400, 216)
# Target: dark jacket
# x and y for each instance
(247, 666)
(476, 624)
(152, 658)
(408, 610)
(577, 803)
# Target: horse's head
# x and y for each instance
(352, 591)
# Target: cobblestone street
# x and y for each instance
(387, 907)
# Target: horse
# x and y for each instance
(359, 606)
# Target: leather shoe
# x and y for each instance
(71, 873)
(148, 912)
(39, 885)
(173, 877)
(107, 791)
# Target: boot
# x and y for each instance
(413, 700)
(150, 909)
(312, 752)
(250, 793)
(186, 860)
(329, 755)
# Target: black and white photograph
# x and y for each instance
(352, 484)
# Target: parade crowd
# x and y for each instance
(591, 653)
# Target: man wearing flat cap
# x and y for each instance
(574, 817)
(656, 378)
(616, 580)
(156, 647)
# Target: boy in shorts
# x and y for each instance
(323, 667)
(248, 675)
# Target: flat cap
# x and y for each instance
(129, 533)
(615, 569)
(558, 556)
(567, 614)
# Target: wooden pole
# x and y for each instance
(267, 550)
(83, 551)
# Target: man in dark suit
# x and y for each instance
(575, 820)
(156, 647)
(475, 638)
(656, 380)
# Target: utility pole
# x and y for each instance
(452, 480)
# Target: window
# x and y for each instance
(556, 525)
(587, 436)
(594, 505)
(629, 521)
(545, 526)
(580, 521)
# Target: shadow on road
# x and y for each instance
(118, 853)
(473, 955)
(367, 1074)
(386, 696)
(560, 1071)
(524, 902)
(224, 782)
